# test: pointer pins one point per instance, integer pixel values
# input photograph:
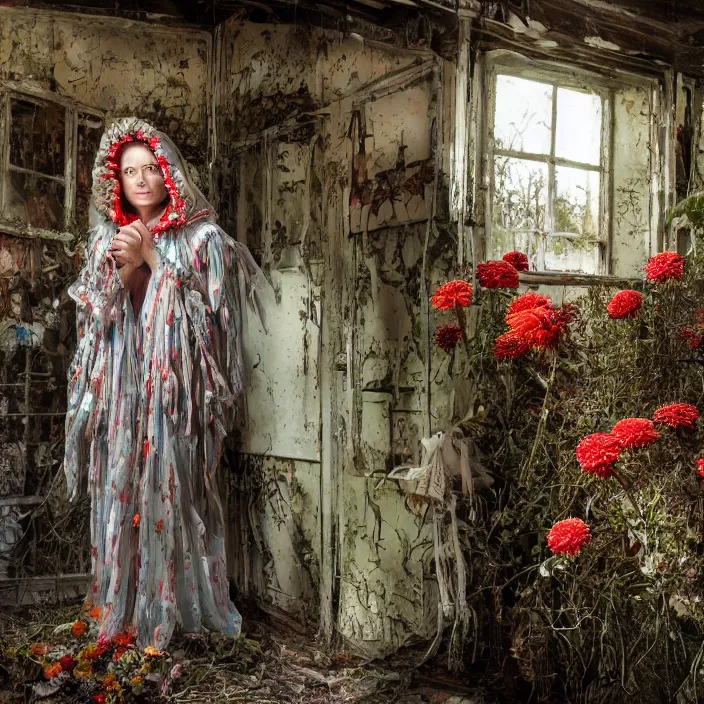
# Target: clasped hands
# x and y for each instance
(133, 245)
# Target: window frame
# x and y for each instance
(500, 62)
(75, 113)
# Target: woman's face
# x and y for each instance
(141, 179)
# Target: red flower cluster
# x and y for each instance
(568, 537)
(528, 301)
(451, 294)
(447, 337)
(516, 259)
(541, 327)
(597, 452)
(700, 468)
(499, 274)
(635, 432)
(694, 334)
(510, 346)
(67, 663)
(677, 415)
(625, 304)
(664, 267)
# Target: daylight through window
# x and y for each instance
(548, 167)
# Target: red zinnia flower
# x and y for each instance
(451, 294)
(625, 304)
(665, 266)
(447, 337)
(541, 327)
(597, 452)
(67, 662)
(518, 260)
(700, 467)
(497, 275)
(568, 537)
(677, 415)
(635, 432)
(510, 346)
(528, 301)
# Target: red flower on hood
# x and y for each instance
(497, 275)
(597, 452)
(451, 294)
(664, 267)
(677, 415)
(516, 259)
(447, 337)
(625, 304)
(635, 432)
(568, 537)
(510, 346)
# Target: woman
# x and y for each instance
(153, 389)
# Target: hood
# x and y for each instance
(186, 202)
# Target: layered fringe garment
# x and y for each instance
(151, 397)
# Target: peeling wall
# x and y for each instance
(120, 67)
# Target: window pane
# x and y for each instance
(578, 134)
(574, 246)
(89, 133)
(37, 134)
(520, 197)
(577, 202)
(523, 115)
(33, 200)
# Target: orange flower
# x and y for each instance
(95, 613)
(108, 681)
(123, 639)
(135, 520)
(40, 649)
(53, 670)
(153, 652)
(138, 679)
(79, 628)
(160, 525)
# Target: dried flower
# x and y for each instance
(447, 337)
(79, 628)
(510, 346)
(635, 432)
(498, 274)
(625, 304)
(528, 301)
(159, 525)
(54, 669)
(123, 639)
(677, 415)
(451, 294)
(83, 669)
(568, 537)
(700, 468)
(597, 452)
(517, 260)
(67, 662)
(665, 267)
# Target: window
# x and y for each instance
(47, 148)
(549, 164)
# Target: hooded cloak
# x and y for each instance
(151, 396)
